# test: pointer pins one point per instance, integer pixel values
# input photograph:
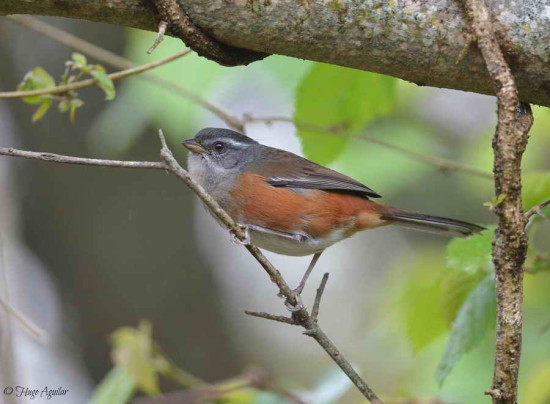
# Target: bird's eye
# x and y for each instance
(219, 147)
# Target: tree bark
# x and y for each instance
(427, 43)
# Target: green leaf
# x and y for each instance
(455, 287)
(64, 105)
(338, 97)
(105, 83)
(42, 109)
(474, 318)
(236, 395)
(36, 79)
(117, 387)
(79, 60)
(423, 316)
(471, 254)
(536, 262)
(133, 352)
(536, 387)
(99, 68)
(74, 104)
(536, 188)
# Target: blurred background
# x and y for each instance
(85, 251)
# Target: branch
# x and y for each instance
(91, 82)
(318, 296)
(104, 56)
(300, 316)
(58, 158)
(421, 42)
(273, 317)
(536, 210)
(180, 24)
(510, 241)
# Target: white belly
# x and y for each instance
(288, 246)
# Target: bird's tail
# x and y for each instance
(432, 224)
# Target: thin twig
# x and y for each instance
(274, 317)
(510, 240)
(169, 163)
(119, 62)
(536, 210)
(91, 82)
(58, 158)
(72, 41)
(27, 325)
(160, 36)
(318, 296)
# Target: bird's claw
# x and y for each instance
(236, 240)
(294, 308)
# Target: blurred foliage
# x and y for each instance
(68, 102)
(536, 188)
(475, 316)
(445, 305)
(139, 363)
(424, 320)
(365, 161)
(450, 304)
(471, 254)
(116, 388)
(537, 389)
(133, 352)
(353, 99)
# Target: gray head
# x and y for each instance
(221, 148)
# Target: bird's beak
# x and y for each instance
(193, 146)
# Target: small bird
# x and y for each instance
(290, 205)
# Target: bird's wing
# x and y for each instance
(285, 169)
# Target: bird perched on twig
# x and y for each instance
(290, 205)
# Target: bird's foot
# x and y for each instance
(297, 307)
(236, 240)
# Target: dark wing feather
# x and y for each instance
(283, 169)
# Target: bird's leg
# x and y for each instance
(302, 284)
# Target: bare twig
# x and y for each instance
(300, 316)
(160, 36)
(193, 37)
(91, 82)
(58, 158)
(318, 296)
(72, 41)
(26, 324)
(510, 241)
(536, 210)
(267, 316)
(495, 394)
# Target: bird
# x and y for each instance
(290, 205)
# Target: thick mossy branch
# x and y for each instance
(427, 43)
